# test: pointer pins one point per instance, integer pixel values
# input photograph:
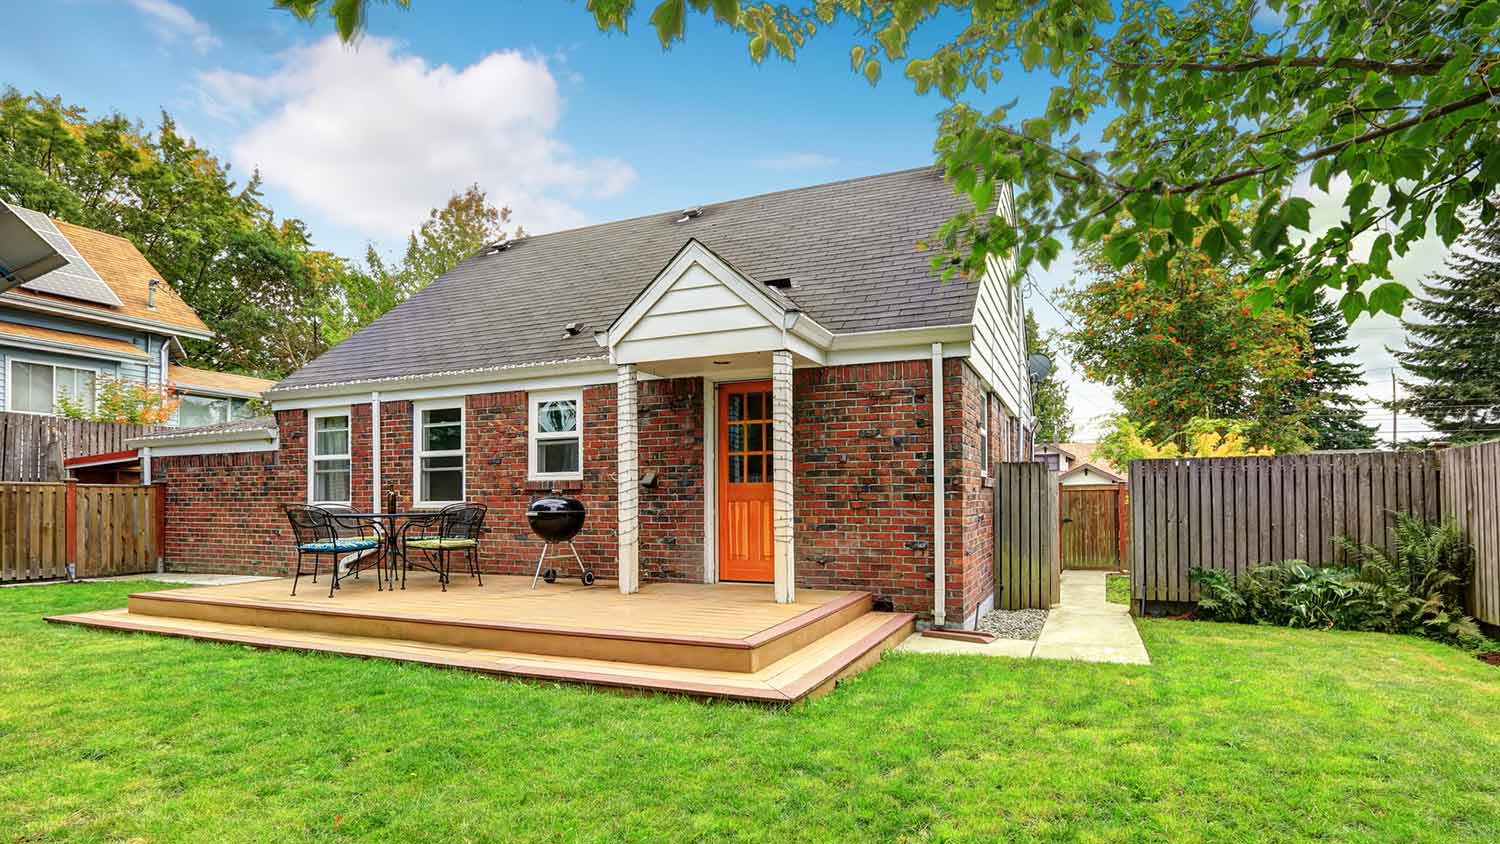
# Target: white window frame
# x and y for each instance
(10, 380)
(986, 445)
(312, 456)
(535, 399)
(418, 452)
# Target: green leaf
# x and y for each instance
(1353, 304)
(1380, 255)
(1388, 297)
(1183, 224)
(872, 71)
(1122, 249)
(1261, 299)
(1212, 243)
(1297, 213)
(669, 19)
(1359, 198)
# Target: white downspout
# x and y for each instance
(375, 452)
(939, 491)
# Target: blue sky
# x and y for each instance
(565, 124)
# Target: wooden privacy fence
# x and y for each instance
(1026, 541)
(1471, 495)
(1233, 513)
(1091, 527)
(100, 529)
(26, 443)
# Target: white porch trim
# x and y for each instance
(627, 438)
(781, 478)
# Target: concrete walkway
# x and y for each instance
(1082, 626)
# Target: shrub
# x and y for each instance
(117, 400)
(1417, 589)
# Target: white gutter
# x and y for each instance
(375, 451)
(939, 491)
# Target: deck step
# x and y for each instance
(811, 670)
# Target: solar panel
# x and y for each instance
(24, 254)
(76, 280)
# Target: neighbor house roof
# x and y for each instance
(128, 274)
(217, 382)
(1083, 457)
(68, 341)
(849, 249)
(239, 430)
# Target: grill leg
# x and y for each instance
(581, 568)
(539, 561)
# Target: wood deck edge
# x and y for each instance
(691, 689)
(897, 628)
(757, 640)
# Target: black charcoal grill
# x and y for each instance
(557, 520)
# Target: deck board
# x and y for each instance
(811, 670)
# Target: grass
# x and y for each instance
(1236, 733)
(1117, 588)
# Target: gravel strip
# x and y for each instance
(1014, 624)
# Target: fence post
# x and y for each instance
(70, 528)
(159, 524)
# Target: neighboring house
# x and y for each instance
(104, 314)
(1078, 466)
(746, 391)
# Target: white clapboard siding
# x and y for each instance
(999, 345)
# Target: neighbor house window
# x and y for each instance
(556, 436)
(36, 387)
(439, 439)
(328, 457)
(193, 411)
(984, 436)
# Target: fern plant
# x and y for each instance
(1418, 587)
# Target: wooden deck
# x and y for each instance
(715, 641)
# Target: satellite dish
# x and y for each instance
(1038, 367)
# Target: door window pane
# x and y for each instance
(755, 408)
(753, 471)
(756, 443)
(736, 406)
(736, 469)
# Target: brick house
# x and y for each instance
(748, 391)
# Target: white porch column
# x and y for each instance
(627, 443)
(781, 476)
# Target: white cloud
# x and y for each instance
(797, 161)
(372, 138)
(172, 23)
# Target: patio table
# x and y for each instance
(389, 522)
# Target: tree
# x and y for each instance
(1049, 397)
(1200, 108)
(1453, 349)
(463, 226)
(1126, 440)
(1325, 400)
(1192, 348)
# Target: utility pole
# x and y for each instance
(1395, 410)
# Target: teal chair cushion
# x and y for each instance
(441, 544)
(340, 546)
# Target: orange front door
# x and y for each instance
(745, 549)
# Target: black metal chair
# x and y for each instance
(455, 528)
(317, 532)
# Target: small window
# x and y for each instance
(328, 458)
(984, 436)
(36, 387)
(193, 411)
(556, 436)
(439, 439)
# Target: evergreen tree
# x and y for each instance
(1453, 348)
(1049, 398)
(1325, 399)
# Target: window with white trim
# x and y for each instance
(439, 463)
(36, 387)
(328, 458)
(984, 435)
(556, 436)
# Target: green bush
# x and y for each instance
(1417, 589)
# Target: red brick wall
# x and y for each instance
(863, 494)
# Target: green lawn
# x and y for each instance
(1117, 588)
(1236, 733)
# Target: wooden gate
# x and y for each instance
(1026, 547)
(101, 529)
(1470, 488)
(1090, 526)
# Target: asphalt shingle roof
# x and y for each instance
(849, 248)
